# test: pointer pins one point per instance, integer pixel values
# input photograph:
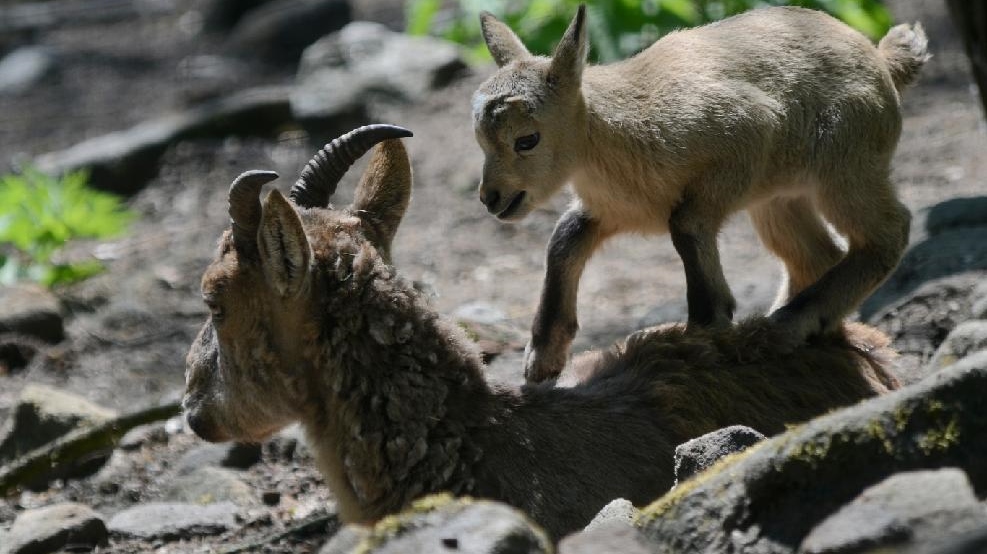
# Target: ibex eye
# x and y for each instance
(215, 310)
(526, 142)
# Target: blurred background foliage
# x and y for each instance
(40, 214)
(618, 28)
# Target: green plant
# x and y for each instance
(39, 214)
(618, 28)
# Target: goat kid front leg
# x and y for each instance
(576, 236)
(694, 231)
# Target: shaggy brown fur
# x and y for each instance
(322, 330)
(784, 112)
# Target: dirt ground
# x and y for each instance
(129, 329)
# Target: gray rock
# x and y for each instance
(24, 68)
(173, 520)
(442, 524)
(619, 511)
(278, 31)
(124, 161)
(771, 497)
(43, 414)
(233, 455)
(49, 529)
(918, 506)
(950, 252)
(31, 311)
(339, 73)
(702, 452)
(609, 537)
(208, 485)
(964, 339)
(382, 61)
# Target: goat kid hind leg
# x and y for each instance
(877, 232)
(792, 229)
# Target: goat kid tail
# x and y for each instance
(905, 49)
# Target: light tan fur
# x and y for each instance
(785, 112)
(313, 324)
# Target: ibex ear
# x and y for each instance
(383, 194)
(283, 246)
(570, 55)
(503, 43)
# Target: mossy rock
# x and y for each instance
(769, 497)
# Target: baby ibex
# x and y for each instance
(784, 111)
(309, 322)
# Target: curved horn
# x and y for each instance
(245, 207)
(322, 173)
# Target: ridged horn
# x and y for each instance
(318, 180)
(245, 208)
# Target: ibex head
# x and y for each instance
(248, 370)
(528, 118)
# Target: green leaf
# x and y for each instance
(421, 15)
(39, 214)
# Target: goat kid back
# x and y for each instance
(785, 112)
(310, 323)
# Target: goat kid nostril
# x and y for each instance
(490, 199)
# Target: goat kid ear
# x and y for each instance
(570, 55)
(283, 246)
(383, 194)
(503, 44)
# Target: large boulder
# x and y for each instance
(768, 498)
(123, 161)
(341, 72)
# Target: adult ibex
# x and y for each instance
(309, 322)
(785, 112)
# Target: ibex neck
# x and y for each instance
(398, 386)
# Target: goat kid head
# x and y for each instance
(528, 118)
(247, 371)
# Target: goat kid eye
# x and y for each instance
(527, 142)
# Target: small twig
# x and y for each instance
(309, 526)
(78, 444)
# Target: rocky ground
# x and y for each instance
(167, 100)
